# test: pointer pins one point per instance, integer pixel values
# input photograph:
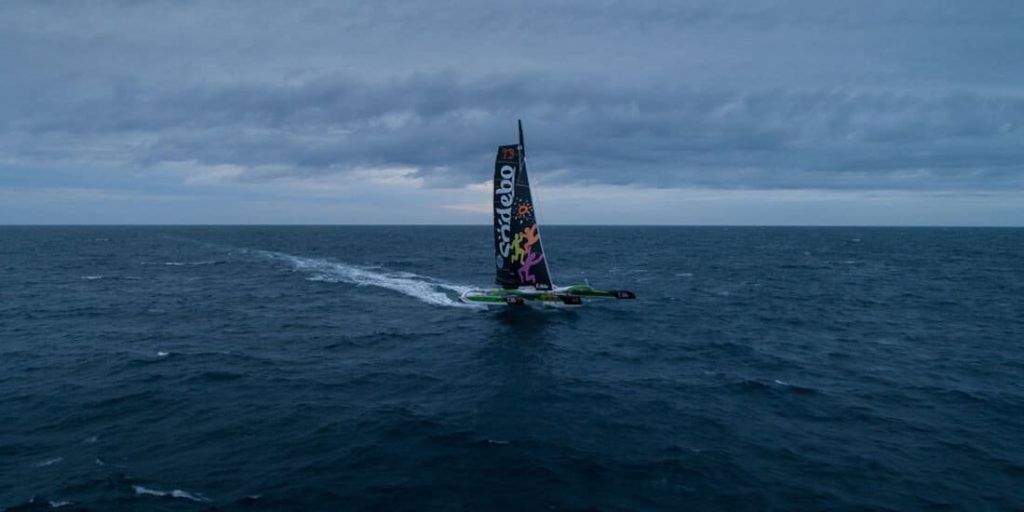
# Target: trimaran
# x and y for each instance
(519, 257)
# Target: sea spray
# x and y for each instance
(426, 289)
(176, 493)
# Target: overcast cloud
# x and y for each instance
(691, 112)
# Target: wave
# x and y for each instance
(426, 289)
(48, 462)
(176, 493)
(36, 503)
(185, 263)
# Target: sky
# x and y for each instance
(802, 112)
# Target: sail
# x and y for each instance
(519, 256)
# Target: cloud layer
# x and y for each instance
(918, 96)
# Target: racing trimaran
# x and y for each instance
(519, 257)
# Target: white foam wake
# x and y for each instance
(426, 289)
(176, 493)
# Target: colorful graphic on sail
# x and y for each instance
(519, 256)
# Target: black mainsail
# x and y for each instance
(519, 256)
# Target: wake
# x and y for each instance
(426, 289)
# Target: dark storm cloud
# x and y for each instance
(771, 95)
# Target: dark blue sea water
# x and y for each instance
(332, 368)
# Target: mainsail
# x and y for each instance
(519, 256)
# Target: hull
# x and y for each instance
(569, 295)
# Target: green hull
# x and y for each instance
(571, 295)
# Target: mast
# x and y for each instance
(522, 145)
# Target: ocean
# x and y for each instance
(333, 368)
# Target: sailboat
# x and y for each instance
(522, 267)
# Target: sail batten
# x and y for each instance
(519, 255)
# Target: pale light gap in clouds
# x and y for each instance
(684, 112)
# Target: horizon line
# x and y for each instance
(950, 226)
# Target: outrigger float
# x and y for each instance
(522, 269)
